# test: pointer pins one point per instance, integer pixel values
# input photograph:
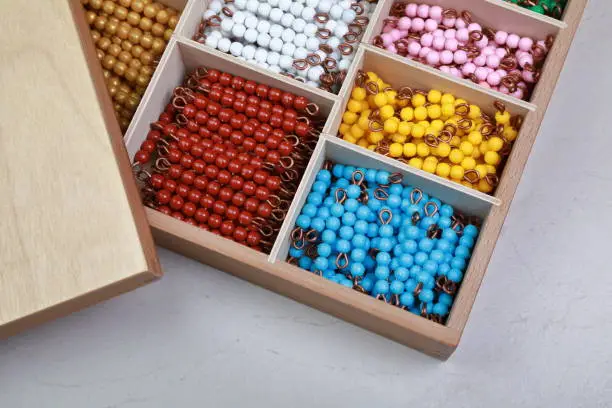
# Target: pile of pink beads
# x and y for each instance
(455, 44)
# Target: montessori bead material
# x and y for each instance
(129, 36)
(227, 155)
(312, 41)
(552, 8)
(433, 131)
(457, 45)
(366, 230)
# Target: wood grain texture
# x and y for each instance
(68, 234)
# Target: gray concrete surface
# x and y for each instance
(539, 334)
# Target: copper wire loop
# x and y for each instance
(462, 109)
(156, 126)
(397, 9)
(516, 122)
(274, 200)
(434, 231)
(361, 78)
(162, 164)
(181, 119)
(342, 261)
(311, 235)
(345, 48)
(381, 194)
(291, 260)
(327, 79)
(431, 140)
(323, 33)
(371, 88)
(467, 16)
(390, 22)
(402, 45)
(321, 18)
(141, 175)
(450, 288)
(286, 162)
(415, 218)
(445, 136)
(326, 48)
(487, 129)
(385, 212)
(471, 176)
(377, 122)
(329, 64)
(178, 103)
(364, 197)
(358, 180)
(382, 147)
(378, 42)
(300, 64)
(374, 115)
(489, 32)
(404, 93)
(357, 8)
(297, 234)
(278, 214)
(163, 151)
(381, 297)
(416, 196)
(290, 175)
(311, 251)
(340, 195)
(396, 178)
(476, 36)
(355, 28)
(499, 106)
(464, 124)
(214, 21)
(227, 11)
(417, 290)
(492, 179)
(428, 206)
(350, 38)
(359, 288)
(450, 13)
(538, 52)
(313, 59)
(361, 20)
(312, 109)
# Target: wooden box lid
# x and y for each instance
(72, 229)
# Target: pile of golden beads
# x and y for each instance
(130, 35)
(433, 131)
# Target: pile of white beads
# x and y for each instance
(311, 40)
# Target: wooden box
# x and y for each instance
(271, 271)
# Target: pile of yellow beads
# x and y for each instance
(433, 131)
(129, 36)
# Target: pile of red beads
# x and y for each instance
(227, 155)
(453, 43)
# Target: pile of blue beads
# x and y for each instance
(365, 230)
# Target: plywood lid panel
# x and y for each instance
(71, 224)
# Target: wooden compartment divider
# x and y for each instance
(272, 272)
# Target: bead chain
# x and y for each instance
(312, 41)
(227, 155)
(129, 36)
(363, 229)
(552, 8)
(432, 131)
(455, 44)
